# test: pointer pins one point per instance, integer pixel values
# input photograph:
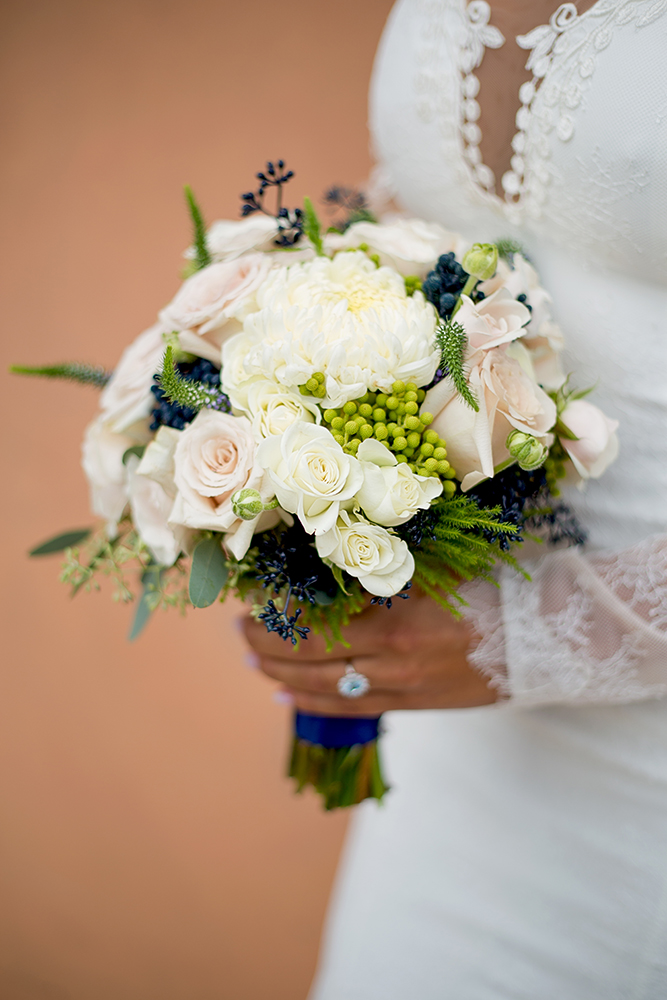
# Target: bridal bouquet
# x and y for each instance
(319, 421)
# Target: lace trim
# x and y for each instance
(581, 631)
(562, 59)
(478, 35)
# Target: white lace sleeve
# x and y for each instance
(585, 629)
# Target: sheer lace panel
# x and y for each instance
(584, 629)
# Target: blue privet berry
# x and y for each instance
(443, 285)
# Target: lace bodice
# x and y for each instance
(587, 195)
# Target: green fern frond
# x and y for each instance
(451, 339)
(177, 389)
(202, 255)
(70, 371)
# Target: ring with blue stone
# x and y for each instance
(353, 684)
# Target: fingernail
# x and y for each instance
(283, 698)
(251, 661)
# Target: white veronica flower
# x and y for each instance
(311, 474)
(391, 493)
(382, 562)
(343, 317)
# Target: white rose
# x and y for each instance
(412, 246)
(495, 320)
(228, 239)
(343, 317)
(151, 506)
(597, 444)
(391, 493)
(211, 303)
(508, 398)
(127, 399)
(272, 408)
(311, 474)
(381, 561)
(214, 457)
(102, 461)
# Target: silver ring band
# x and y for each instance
(353, 684)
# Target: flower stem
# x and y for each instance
(467, 289)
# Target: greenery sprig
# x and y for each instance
(451, 339)
(69, 371)
(187, 393)
(202, 255)
(463, 542)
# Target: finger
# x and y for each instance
(362, 634)
(368, 705)
(322, 677)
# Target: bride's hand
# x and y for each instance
(413, 654)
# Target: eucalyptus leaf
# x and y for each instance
(151, 582)
(136, 449)
(209, 572)
(66, 540)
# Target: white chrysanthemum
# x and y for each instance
(343, 317)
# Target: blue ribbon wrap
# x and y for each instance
(332, 733)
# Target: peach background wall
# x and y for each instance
(150, 848)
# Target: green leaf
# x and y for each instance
(202, 255)
(136, 449)
(70, 371)
(209, 572)
(450, 337)
(150, 579)
(563, 431)
(66, 540)
(312, 227)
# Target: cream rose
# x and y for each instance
(127, 399)
(381, 561)
(391, 493)
(102, 461)
(211, 304)
(343, 317)
(412, 246)
(597, 444)
(151, 506)
(508, 398)
(214, 457)
(495, 320)
(311, 474)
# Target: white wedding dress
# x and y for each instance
(522, 852)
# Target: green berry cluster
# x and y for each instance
(314, 386)
(394, 419)
(412, 284)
